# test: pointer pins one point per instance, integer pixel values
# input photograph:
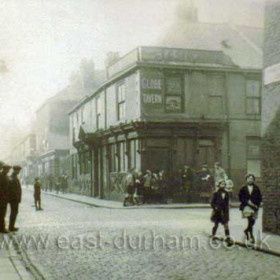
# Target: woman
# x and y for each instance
(220, 212)
(250, 197)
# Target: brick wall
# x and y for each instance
(270, 122)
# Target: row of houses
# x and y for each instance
(193, 98)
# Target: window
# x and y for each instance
(174, 92)
(121, 101)
(98, 112)
(253, 156)
(216, 89)
(253, 98)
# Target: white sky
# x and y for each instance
(43, 42)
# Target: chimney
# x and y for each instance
(187, 11)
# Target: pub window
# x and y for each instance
(253, 97)
(121, 101)
(253, 156)
(173, 94)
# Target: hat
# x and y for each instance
(17, 167)
(220, 182)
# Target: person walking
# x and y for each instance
(37, 194)
(220, 212)
(4, 184)
(250, 197)
(14, 196)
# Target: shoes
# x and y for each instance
(3, 230)
(13, 229)
(229, 242)
(41, 209)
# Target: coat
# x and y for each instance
(255, 197)
(37, 190)
(14, 190)
(4, 184)
(220, 206)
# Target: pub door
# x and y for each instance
(207, 153)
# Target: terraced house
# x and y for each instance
(161, 108)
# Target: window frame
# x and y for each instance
(253, 97)
(122, 102)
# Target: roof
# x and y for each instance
(242, 44)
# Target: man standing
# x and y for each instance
(250, 197)
(14, 194)
(187, 181)
(37, 194)
(4, 181)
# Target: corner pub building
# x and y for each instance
(161, 108)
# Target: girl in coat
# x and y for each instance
(220, 212)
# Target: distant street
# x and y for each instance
(83, 242)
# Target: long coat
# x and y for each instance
(245, 196)
(14, 191)
(4, 182)
(220, 206)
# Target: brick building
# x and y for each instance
(161, 108)
(271, 118)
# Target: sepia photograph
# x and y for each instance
(139, 139)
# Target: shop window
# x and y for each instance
(121, 101)
(174, 94)
(253, 156)
(253, 97)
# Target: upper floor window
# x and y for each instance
(98, 112)
(216, 89)
(121, 101)
(253, 97)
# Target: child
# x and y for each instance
(37, 194)
(220, 213)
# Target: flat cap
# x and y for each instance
(17, 167)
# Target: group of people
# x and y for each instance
(149, 187)
(10, 194)
(59, 183)
(157, 186)
(250, 200)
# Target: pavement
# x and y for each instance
(11, 263)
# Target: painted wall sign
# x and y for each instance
(150, 83)
(272, 74)
(152, 98)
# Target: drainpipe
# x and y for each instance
(228, 127)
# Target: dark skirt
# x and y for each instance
(220, 216)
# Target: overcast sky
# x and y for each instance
(43, 41)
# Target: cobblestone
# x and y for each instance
(73, 250)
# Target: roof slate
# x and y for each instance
(243, 44)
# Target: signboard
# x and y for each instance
(166, 55)
(152, 98)
(152, 86)
(272, 74)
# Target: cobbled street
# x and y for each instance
(70, 240)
